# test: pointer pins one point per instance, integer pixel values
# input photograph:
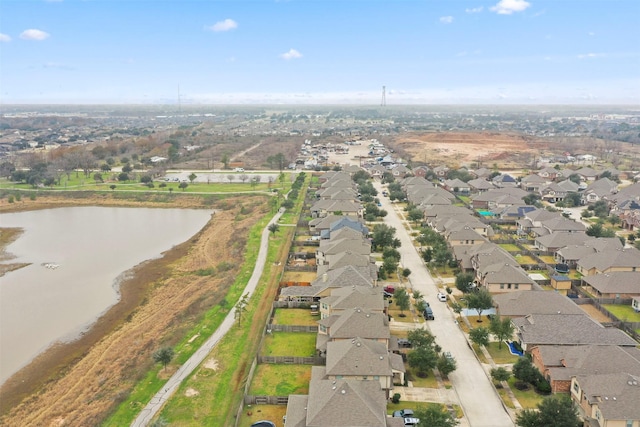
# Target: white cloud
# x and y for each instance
(507, 7)
(4, 38)
(226, 25)
(292, 54)
(589, 55)
(591, 33)
(33, 34)
(446, 19)
(474, 9)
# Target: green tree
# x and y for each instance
(420, 338)
(500, 374)
(127, 168)
(480, 301)
(97, 177)
(557, 411)
(479, 336)
(163, 355)
(402, 300)
(415, 215)
(183, 186)
(105, 167)
(273, 228)
(446, 364)
(112, 187)
(384, 236)
(192, 177)
(435, 416)
(502, 329)
(241, 307)
(225, 159)
(423, 359)
(464, 282)
(524, 370)
(123, 176)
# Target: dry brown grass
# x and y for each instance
(80, 383)
(462, 148)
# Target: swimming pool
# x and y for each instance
(484, 213)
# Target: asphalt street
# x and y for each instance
(479, 400)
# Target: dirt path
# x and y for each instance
(80, 383)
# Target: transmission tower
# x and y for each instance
(383, 103)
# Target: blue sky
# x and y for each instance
(320, 52)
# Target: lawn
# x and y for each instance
(525, 259)
(528, 399)
(299, 276)
(428, 382)
(502, 355)
(302, 344)
(404, 404)
(280, 380)
(548, 259)
(623, 312)
(295, 316)
(509, 247)
(255, 413)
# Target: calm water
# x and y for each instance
(93, 247)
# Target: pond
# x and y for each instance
(77, 257)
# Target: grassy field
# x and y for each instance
(299, 276)
(548, 259)
(300, 344)
(509, 247)
(280, 380)
(428, 382)
(295, 316)
(623, 312)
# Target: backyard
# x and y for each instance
(301, 344)
(625, 313)
(280, 380)
(295, 316)
(254, 413)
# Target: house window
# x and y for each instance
(338, 377)
(576, 389)
(376, 377)
(516, 286)
(629, 423)
(509, 286)
(501, 285)
(365, 378)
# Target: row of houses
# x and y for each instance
(597, 366)
(362, 357)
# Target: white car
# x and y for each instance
(239, 170)
(442, 297)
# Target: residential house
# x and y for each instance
(514, 212)
(548, 173)
(559, 239)
(534, 219)
(559, 363)
(377, 171)
(400, 171)
(504, 181)
(464, 236)
(324, 208)
(505, 277)
(329, 280)
(364, 360)
(587, 174)
(457, 186)
(607, 400)
(345, 259)
(343, 245)
(533, 183)
(558, 225)
(441, 171)
(523, 303)
(599, 190)
(346, 298)
(557, 191)
(357, 322)
(566, 329)
(420, 171)
(481, 173)
(338, 402)
(625, 259)
(480, 185)
(571, 254)
(500, 197)
(616, 285)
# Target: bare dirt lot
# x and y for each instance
(457, 149)
(80, 383)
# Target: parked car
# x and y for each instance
(442, 297)
(410, 421)
(263, 423)
(403, 413)
(447, 355)
(386, 294)
(238, 170)
(403, 343)
(389, 289)
(428, 314)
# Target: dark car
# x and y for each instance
(404, 343)
(263, 423)
(428, 314)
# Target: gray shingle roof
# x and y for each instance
(360, 357)
(627, 257)
(567, 329)
(617, 282)
(357, 322)
(617, 395)
(523, 303)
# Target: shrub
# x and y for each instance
(543, 386)
(396, 398)
(521, 385)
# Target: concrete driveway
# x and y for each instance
(479, 400)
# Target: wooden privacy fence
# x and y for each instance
(292, 360)
(291, 328)
(266, 400)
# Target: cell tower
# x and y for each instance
(383, 103)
